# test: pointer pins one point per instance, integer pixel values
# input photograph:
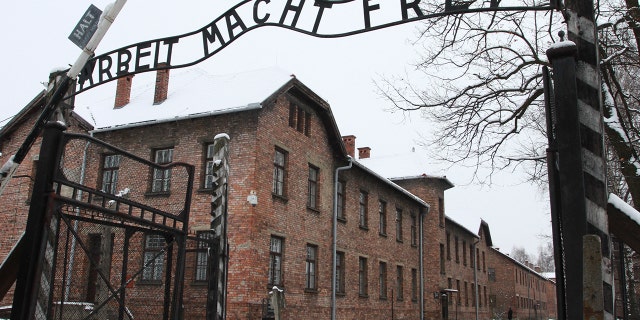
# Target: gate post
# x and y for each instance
(33, 261)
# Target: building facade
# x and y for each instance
(396, 255)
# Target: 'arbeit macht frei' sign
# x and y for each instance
(319, 18)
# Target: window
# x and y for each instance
(202, 257)
(448, 246)
(340, 272)
(414, 229)
(459, 301)
(312, 199)
(471, 255)
(457, 251)
(153, 257)
(382, 209)
(362, 277)
(464, 252)
(477, 259)
(484, 266)
(162, 178)
(209, 167)
(311, 271)
(340, 200)
(400, 282)
(382, 272)
(466, 294)
(441, 212)
(299, 119)
(275, 261)
(364, 199)
(492, 274)
(414, 284)
(442, 269)
(110, 168)
(279, 172)
(399, 224)
(449, 286)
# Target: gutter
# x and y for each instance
(335, 236)
(423, 214)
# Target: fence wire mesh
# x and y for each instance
(120, 246)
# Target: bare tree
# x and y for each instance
(485, 90)
(521, 255)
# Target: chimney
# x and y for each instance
(162, 85)
(364, 153)
(123, 91)
(350, 145)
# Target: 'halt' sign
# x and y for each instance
(86, 27)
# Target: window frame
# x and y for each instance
(363, 210)
(279, 186)
(311, 268)
(382, 280)
(341, 192)
(414, 229)
(399, 231)
(276, 262)
(161, 176)
(313, 196)
(363, 281)
(400, 282)
(110, 167)
(201, 266)
(151, 250)
(382, 214)
(414, 284)
(340, 272)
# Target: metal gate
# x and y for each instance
(114, 241)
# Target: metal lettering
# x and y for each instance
(290, 7)
(232, 25)
(367, 9)
(255, 12)
(251, 14)
(141, 54)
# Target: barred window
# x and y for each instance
(362, 212)
(162, 178)
(382, 274)
(414, 229)
(311, 264)
(312, 199)
(363, 287)
(153, 257)
(110, 167)
(340, 267)
(340, 200)
(399, 224)
(400, 282)
(382, 209)
(279, 172)
(202, 255)
(275, 261)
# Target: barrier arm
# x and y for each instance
(106, 19)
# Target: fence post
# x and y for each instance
(33, 263)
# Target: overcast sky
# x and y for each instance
(342, 71)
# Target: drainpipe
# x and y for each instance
(423, 213)
(475, 274)
(335, 236)
(75, 224)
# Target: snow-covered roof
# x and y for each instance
(400, 166)
(192, 93)
(625, 208)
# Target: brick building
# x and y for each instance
(397, 254)
(521, 287)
